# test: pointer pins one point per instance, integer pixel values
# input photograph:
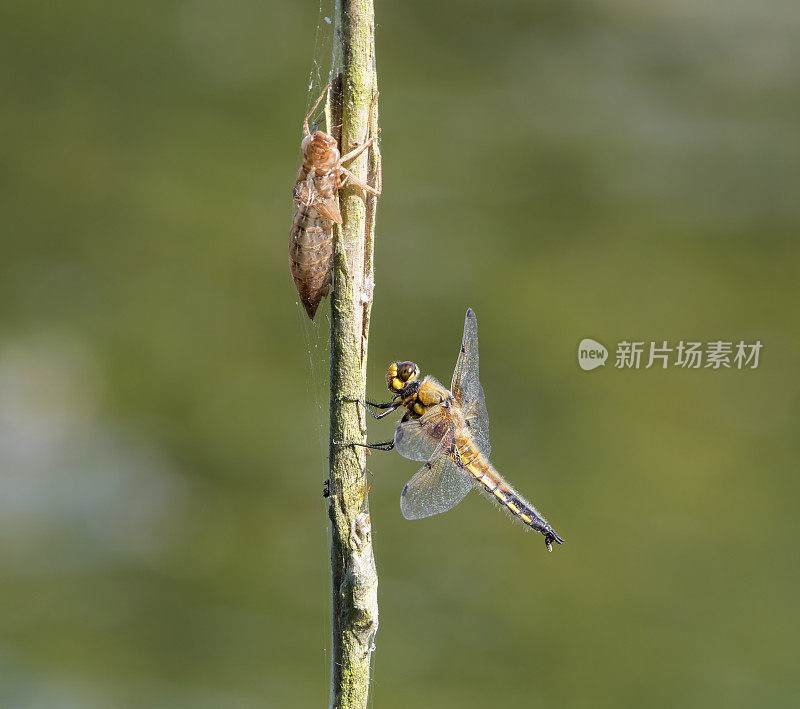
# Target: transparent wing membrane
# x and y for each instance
(478, 421)
(468, 356)
(418, 439)
(466, 386)
(438, 486)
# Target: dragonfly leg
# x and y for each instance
(390, 406)
(376, 404)
(370, 140)
(384, 446)
(381, 415)
(306, 131)
(360, 183)
(381, 404)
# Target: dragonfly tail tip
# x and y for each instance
(550, 538)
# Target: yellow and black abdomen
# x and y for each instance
(501, 492)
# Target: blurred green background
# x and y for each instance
(570, 169)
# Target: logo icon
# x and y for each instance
(591, 354)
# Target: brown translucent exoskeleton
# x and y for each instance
(316, 194)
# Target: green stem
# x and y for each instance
(353, 574)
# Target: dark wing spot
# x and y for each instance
(439, 429)
(428, 465)
(405, 490)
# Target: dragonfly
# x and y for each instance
(448, 431)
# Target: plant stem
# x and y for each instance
(353, 574)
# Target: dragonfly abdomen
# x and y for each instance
(501, 492)
(310, 256)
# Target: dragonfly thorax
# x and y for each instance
(421, 396)
(320, 151)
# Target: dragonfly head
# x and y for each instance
(320, 148)
(400, 374)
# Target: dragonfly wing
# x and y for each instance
(466, 386)
(438, 486)
(305, 192)
(478, 420)
(419, 438)
(329, 208)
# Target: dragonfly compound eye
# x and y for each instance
(407, 371)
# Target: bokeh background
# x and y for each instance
(570, 169)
